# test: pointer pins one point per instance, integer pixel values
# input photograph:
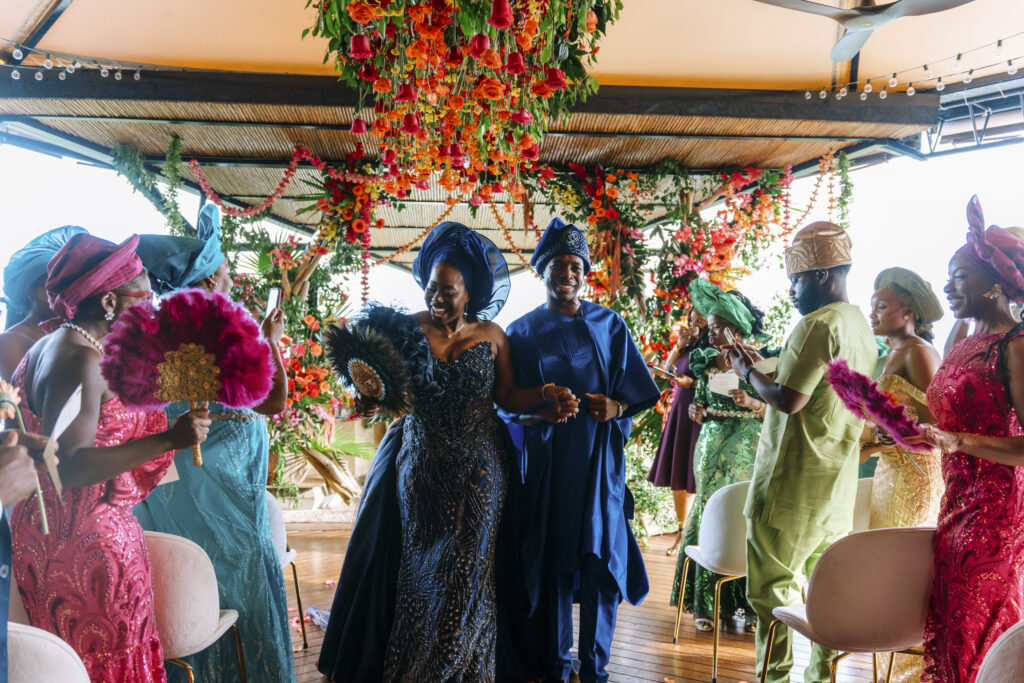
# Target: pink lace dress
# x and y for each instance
(88, 581)
(979, 548)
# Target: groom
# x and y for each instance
(578, 542)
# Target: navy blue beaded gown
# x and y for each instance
(416, 600)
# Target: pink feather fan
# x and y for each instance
(862, 396)
(197, 346)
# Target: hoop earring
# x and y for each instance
(108, 316)
(994, 293)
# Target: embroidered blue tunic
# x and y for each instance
(575, 473)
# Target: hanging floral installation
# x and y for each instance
(462, 89)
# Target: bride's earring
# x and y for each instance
(994, 293)
(109, 315)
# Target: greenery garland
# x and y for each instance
(130, 163)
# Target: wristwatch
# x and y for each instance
(746, 374)
(622, 409)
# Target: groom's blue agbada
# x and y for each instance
(575, 472)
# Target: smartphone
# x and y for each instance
(273, 299)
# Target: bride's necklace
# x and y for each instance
(88, 337)
(458, 328)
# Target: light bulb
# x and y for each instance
(70, 68)
(104, 72)
(77, 65)
(940, 86)
(15, 74)
(969, 77)
(882, 95)
(863, 96)
(843, 92)
(893, 81)
(910, 90)
(137, 76)
(117, 75)
(39, 75)
(18, 54)
(958, 62)
(823, 94)
(999, 48)
(867, 87)
(807, 94)
(47, 63)
(1011, 68)
(61, 75)
(927, 73)
(839, 95)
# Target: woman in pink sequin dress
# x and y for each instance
(88, 580)
(977, 399)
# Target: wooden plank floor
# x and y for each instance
(642, 651)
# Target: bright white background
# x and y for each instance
(905, 213)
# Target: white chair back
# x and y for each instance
(38, 656)
(278, 531)
(186, 600)
(1005, 659)
(723, 531)
(870, 590)
(862, 508)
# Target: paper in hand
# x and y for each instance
(72, 407)
(723, 382)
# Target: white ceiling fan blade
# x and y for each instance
(914, 8)
(850, 44)
(806, 6)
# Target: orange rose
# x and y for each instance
(491, 59)
(456, 102)
(541, 89)
(613, 192)
(490, 89)
(316, 350)
(362, 13)
(382, 85)
(419, 13)
(591, 21)
(526, 141)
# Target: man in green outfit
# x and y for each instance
(804, 485)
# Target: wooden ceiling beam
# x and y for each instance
(227, 87)
(42, 27)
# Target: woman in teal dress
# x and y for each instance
(221, 505)
(731, 426)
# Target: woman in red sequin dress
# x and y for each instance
(88, 580)
(977, 399)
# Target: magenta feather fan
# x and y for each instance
(197, 346)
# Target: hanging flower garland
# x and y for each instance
(462, 88)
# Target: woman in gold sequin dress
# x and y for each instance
(903, 308)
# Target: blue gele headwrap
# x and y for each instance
(28, 266)
(481, 264)
(560, 239)
(176, 262)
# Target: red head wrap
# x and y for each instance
(996, 250)
(86, 266)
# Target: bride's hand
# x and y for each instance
(947, 442)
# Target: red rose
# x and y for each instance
(501, 14)
(478, 44)
(410, 124)
(531, 152)
(406, 93)
(454, 57)
(359, 47)
(556, 79)
(522, 116)
(514, 64)
(358, 127)
(388, 157)
(368, 73)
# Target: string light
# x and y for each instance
(999, 48)
(863, 96)
(15, 74)
(823, 94)
(39, 75)
(969, 77)
(48, 62)
(61, 75)
(927, 73)
(843, 92)
(70, 68)
(940, 86)
(807, 94)
(117, 75)
(1011, 68)
(138, 75)
(910, 90)
(893, 82)
(882, 95)
(958, 62)
(17, 53)
(867, 87)
(104, 72)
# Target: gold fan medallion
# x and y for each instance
(366, 379)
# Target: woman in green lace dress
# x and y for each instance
(728, 440)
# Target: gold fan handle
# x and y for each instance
(197, 452)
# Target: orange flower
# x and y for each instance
(456, 102)
(612, 192)
(596, 204)
(316, 350)
(9, 400)
(541, 89)
(362, 13)
(600, 213)
(380, 128)
(359, 225)
(491, 59)
(525, 39)
(592, 219)
(419, 13)
(610, 178)
(490, 89)
(526, 141)
(591, 21)
(382, 85)
(415, 49)
(346, 214)
(357, 190)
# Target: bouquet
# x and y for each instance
(195, 347)
(861, 395)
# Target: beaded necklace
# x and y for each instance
(88, 337)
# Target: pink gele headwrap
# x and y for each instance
(86, 266)
(996, 250)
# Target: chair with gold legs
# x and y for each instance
(869, 593)
(721, 548)
(1005, 659)
(285, 554)
(186, 601)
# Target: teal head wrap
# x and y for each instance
(27, 268)
(177, 262)
(708, 298)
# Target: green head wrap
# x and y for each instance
(708, 298)
(915, 293)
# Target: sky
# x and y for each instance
(905, 213)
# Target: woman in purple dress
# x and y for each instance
(673, 464)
